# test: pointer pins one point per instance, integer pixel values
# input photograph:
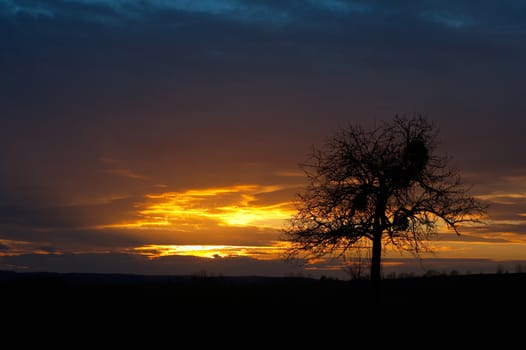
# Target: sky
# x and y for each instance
(165, 137)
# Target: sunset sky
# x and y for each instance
(165, 137)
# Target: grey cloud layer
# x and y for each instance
(182, 86)
(242, 266)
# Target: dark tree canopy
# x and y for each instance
(383, 185)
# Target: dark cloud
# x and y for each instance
(242, 266)
(25, 240)
(131, 263)
(172, 57)
(33, 215)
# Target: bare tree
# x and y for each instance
(383, 185)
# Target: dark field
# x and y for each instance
(97, 311)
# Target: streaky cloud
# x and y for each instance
(108, 11)
(454, 15)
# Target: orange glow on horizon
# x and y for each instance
(213, 221)
(154, 251)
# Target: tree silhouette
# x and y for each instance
(383, 185)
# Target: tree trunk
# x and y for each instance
(376, 269)
(376, 259)
(378, 230)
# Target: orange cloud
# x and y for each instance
(232, 206)
(502, 197)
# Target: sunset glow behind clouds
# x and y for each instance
(167, 136)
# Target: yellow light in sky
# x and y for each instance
(210, 251)
(263, 216)
(239, 205)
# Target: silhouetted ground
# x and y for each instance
(101, 311)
